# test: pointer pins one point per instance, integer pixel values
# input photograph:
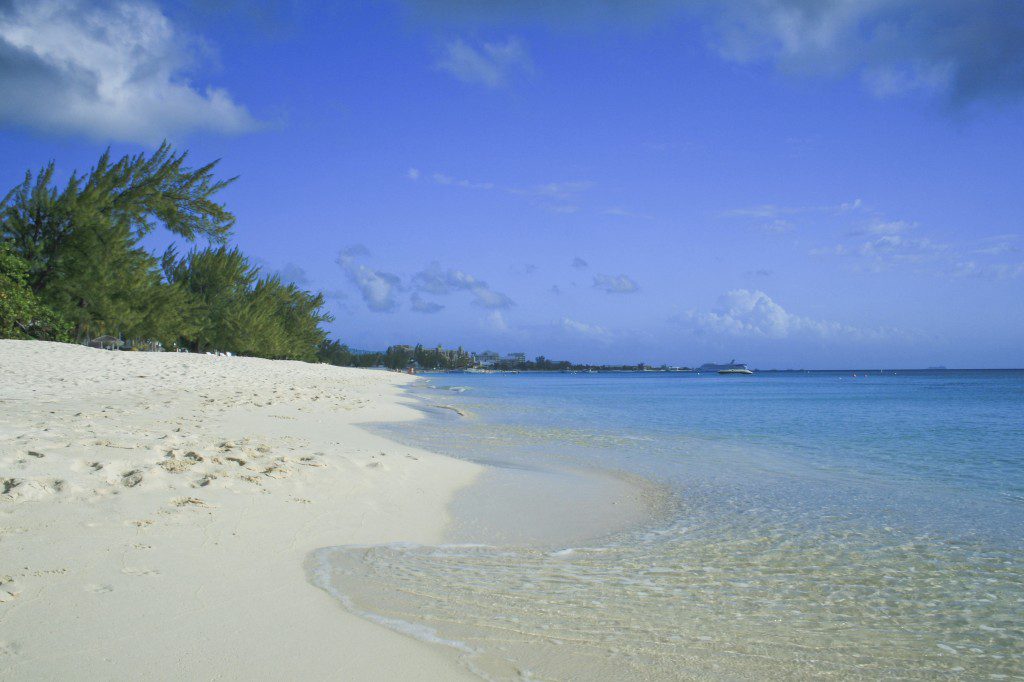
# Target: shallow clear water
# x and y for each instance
(820, 525)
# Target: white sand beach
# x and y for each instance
(156, 510)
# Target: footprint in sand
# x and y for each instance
(140, 571)
(99, 589)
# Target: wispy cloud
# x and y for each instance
(590, 331)
(620, 212)
(496, 321)
(491, 64)
(896, 247)
(893, 245)
(998, 245)
(997, 271)
(579, 263)
(442, 179)
(557, 197)
(440, 282)
(615, 284)
(107, 71)
(775, 210)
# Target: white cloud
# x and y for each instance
(620, 212)
(379, 289)
(108, 71)
(998, 245)
(413, 174)
(615, 284)
(776, 211)
(837, 250)
(442, 179)
(895, 247)
(440, 282)
(999, 271)
(778, 227)
(962, 50)
(490, 65)
(890, 227)
(583, 329)
(754, 314)
(421, 305)
(496, 321)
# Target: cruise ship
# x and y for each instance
(732, 365)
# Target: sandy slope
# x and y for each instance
(156, 509)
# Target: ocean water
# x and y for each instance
(815, 525)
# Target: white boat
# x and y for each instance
(744, 370)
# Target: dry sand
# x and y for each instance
(156, 510)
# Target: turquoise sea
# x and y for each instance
(846, 525)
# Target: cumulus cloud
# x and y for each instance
(421, 305)
(112, 71)
(379, 289)
(615, 284)
(490, 65)
(440, 282)
(754, 314)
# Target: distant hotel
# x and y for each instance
(489, 359)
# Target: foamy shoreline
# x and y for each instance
(157, 509)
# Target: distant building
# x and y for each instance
(515, 358)
(486, 359)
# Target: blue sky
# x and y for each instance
(793, 184)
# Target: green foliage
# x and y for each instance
(22, 315)
(334, 353)
(132, 195)
(77, 251)
(237, 310)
